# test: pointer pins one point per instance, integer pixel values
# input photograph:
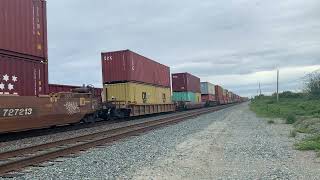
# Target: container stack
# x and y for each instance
(219, 95)
(208, 92)
(23, 48)
(134, 79)
(186, 88)
(225, 96)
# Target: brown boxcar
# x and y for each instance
(25, 113)
(182, 82)
(22, 77)
(23, 28)
(127, 66)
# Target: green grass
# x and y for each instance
(302, 112)
(312, 143)
(268, 107)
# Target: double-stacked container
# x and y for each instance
(186, 88)
(208, 92)
(134, 79)
(219, 94)
(23, 48)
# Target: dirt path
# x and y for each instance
(238, 146)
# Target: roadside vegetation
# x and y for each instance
(302, 110)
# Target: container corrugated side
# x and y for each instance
(186, 96)
(22, 77)
(208, 97)
(23, 29)
(128, 66)
(207, 88)
(219, 94)
(185, 82)
(137, 93)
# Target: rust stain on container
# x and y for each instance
(128, 66)
(22, 77)
(182, 82)
(23, 29)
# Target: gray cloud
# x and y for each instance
(208, 38)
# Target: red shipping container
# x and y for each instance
(56, 88)
(22, 77)
(208, 97)
(219, 95)
(125, 66)
(185, 82)
(23, 28)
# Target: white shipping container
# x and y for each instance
(207, 88)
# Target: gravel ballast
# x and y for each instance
(229, 144)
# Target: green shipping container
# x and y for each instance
(186, 96)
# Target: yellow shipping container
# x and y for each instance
(198, 97)
(137, 93)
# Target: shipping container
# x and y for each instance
(128, 66)
(182, 82)
(137, 93)
(22, 77)
(208, 97)
(23, 29)
(186, 96)
(207, 88)
(219, 95)
(56, 88)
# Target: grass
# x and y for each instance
(303, 113)
(311, 143)
(268, 107)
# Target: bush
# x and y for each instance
(312, 86)
(270, 121)
(291, 118)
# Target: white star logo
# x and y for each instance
(14, 78)
(2, 86)
(10, 86)
(6, 77)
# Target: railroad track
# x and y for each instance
(18, 159)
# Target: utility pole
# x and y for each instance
(277, 85)
(259, 89)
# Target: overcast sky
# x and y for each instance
(234, 43)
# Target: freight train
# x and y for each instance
(133, 85)
(21, 113)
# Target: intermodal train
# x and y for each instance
(133, 85)
(21, 113)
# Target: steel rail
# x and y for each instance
(85, 142)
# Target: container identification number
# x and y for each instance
(11, 112)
